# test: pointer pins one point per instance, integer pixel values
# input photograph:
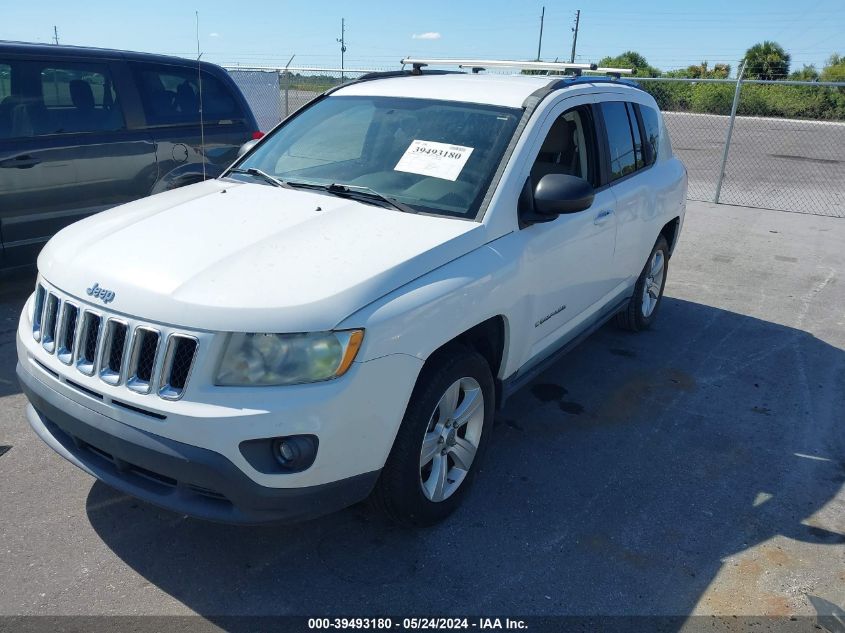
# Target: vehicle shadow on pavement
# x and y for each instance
(615, 484)
(15, 287)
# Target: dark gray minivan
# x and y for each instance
(85, 129)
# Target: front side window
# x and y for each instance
(623, 159)
(171, 95)
(569, 148)
(433, 156)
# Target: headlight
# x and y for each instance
(287, 359)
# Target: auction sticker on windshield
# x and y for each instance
(429, 158)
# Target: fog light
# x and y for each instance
(296, 452)
(287, 451)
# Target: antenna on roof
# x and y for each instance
(199, 82)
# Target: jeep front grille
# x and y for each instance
(115, 350)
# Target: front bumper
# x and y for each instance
(173, 475)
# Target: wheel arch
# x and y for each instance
(670, 231)
(488, 338)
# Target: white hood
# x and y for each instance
(250, 257)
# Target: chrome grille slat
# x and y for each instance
(112, 350)
(143, 358)
(86, 348)
(67, 332)
(50, 322)
(179, 356)
(38, 312)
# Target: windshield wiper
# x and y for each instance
(252, 171)
(360, 191)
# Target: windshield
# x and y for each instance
(432, 156)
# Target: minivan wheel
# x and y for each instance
(648, 292)
(440, 441)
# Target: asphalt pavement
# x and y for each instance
(696, 468)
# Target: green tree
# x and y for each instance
(807, 73)
(633, 60)
(767, 60)
(834, 70)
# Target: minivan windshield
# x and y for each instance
(426, 155)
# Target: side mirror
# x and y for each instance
(561, 193)
(246, 147)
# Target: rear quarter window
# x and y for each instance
(171, 95)
(651, 123)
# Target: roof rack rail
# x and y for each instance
(477, 65)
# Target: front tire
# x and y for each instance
(648, 291)
(440, 442)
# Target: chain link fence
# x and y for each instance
(273, 93)
(768, 144)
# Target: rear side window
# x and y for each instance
(171, 96)
(623, 158)
(651, 124)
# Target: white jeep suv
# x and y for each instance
(340, 314)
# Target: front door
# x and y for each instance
(570, 259)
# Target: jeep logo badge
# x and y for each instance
(106, 296)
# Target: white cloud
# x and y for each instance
(430, 35)
(214, 35)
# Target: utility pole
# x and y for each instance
(342, 41)
(55, 35)
(575, 36)
(540, 44)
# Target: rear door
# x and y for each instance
(171, 100)
(634, 191)
(65, 150)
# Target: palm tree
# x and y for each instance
(767, 60)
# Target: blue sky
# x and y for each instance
(669, 34)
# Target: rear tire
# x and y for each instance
(648, 291)
(440, 442)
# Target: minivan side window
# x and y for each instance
(76, 98)
(171, 96)
(6, 100)
(651, 123)
(623, 158)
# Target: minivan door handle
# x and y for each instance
(19, 162)
(603, 216)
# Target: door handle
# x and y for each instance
(19, 162)
(603, 216)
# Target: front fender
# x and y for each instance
(423, 315)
